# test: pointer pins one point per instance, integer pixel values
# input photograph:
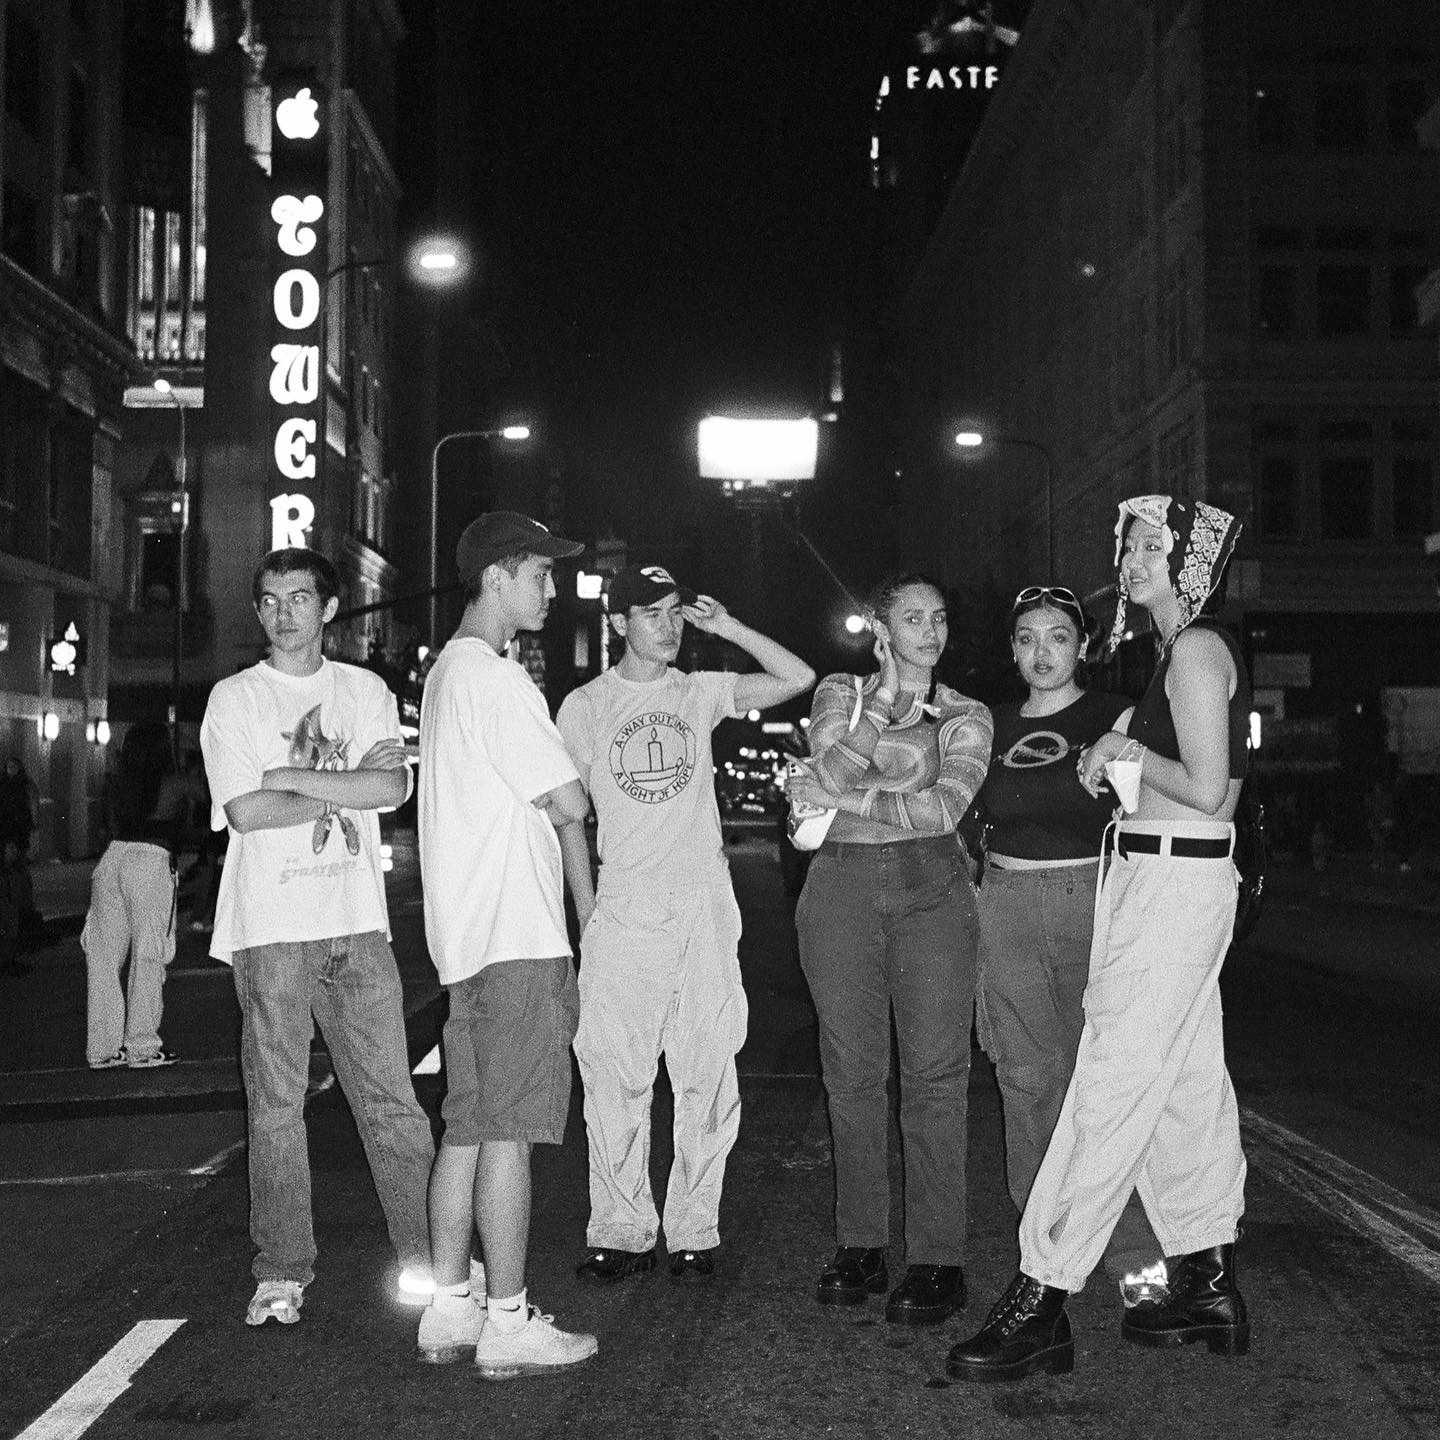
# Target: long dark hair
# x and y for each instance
(146, 759)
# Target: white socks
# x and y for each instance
(507, 1316)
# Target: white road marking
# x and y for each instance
(102, 1384)
(1381, 1214)
(428, 1064)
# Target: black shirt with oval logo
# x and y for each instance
(1032, 794)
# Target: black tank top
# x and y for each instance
(1153, 725)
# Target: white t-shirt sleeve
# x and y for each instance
(575, 723)
(233, 766)
(522, 741)
(382, 722)
(718, 687)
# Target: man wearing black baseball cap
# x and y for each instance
(495, 782)
(662, 970)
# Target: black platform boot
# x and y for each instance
(1028, 1330)
(1203, 1305)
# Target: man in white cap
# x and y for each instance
(495, 782)
(661, 970)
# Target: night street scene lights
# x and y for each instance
(979, 440)
(181, 507)
(511, 434)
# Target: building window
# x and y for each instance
(1347, 480)
(1404, 105)
(1341, 115)
(1275, 292)
(1342, 299)
(1404, 310)
(1279, 508)
(1272, 112)
(1412, 478)
(22, 71)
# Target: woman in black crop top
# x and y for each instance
(1037, 902)
(1150, 1105)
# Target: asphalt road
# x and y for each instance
(124, 1282)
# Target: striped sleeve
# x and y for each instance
(841, 755)
(964, 742)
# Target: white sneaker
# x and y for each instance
(416, 1284)
(276, 1300)
(535, 1349)
(450, 1329)
(1150, 1286)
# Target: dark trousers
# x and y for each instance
(882, 927)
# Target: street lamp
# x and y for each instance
(436, 262)
(975, 439)
(511, 433)
(181, 507)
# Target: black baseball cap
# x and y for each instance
(499, 533)
(643, 585)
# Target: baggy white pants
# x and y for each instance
(1150, 1104)
(660, 973)
(132, 911)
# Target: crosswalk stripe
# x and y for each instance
(102, 1384)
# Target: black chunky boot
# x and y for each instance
(1028, 1330)
(852, 1275)
(1203, 1305)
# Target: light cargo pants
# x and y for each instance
(132, 912)
(660, 974)
(1150, 1104)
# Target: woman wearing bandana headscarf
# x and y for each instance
(1150, 1105)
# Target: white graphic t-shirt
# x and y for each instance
(305, 882)
(489, 859)
(643, 751)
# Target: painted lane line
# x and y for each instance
(102, 1384)
(428, 1064)
(1377, 1211)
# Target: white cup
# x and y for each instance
(1124, 778)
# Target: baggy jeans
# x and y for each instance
(349, 986)
(132, 911)
(1036, 928)
(882, 927)
(1150, 1105)
(660, 973)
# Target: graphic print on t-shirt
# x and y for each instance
(652, 757)
(1039, 747)
(312, 749)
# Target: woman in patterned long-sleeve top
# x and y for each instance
(888, 919)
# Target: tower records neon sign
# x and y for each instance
(297, 234)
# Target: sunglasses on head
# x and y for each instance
(1032, 593)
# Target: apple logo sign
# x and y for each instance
(297, 117)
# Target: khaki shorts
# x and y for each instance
(507, 1052)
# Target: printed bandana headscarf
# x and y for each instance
(1199, 539)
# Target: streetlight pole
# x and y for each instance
(973, 439)
(181, 505)
(507, 432)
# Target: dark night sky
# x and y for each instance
(670, 196)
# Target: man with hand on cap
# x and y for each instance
(495, 782)
(661, 968)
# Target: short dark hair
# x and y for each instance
(508, 563)
(293, 560)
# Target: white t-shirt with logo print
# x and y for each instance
(301, 882)
(643, 751)
(489, 859)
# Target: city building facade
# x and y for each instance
(1183, 257)
(264, 262)
(64, 364)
